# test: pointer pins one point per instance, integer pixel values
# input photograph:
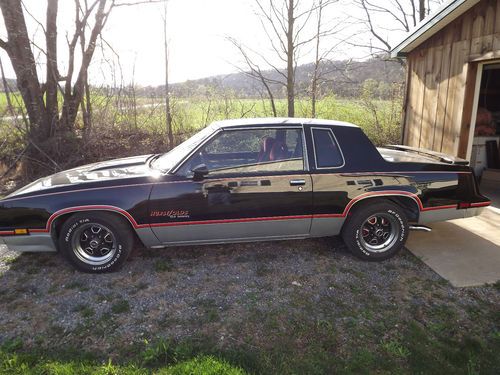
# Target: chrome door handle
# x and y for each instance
(297, 182)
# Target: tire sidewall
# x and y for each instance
(66, 236)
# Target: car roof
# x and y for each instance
(279, 121)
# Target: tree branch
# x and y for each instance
(4, 45)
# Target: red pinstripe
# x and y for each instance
(241, 220)
(344, 214)
(88, 208)
(439, 207)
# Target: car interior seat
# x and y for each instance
(297, 153)
(279, 151)
(266, 146)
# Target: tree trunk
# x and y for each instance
(317, 61)
(270, 95)
(421, 9)
(52, 71)
(72, 99)
(86, 112)
(314, 89)
(290, 72)
(168, 113)
(19, 50)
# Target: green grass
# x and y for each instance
(164, 265)
(161, 357)
(121, 306)
(192, 114)
(29, 365)
(77, 285)
(84, 310)
(205, 365)
(293, 345)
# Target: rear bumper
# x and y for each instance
(448, 214)
(36, 242)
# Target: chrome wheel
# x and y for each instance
(379, 232)
(94, 244)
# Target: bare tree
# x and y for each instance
(85, 102)
(289, 26)
(319, 54)
(254, 71)
(401, 15)
(168, 111)
(41, 98)
(285, 23)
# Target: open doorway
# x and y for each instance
(485, 154)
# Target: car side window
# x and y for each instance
(250, 151)
(326, 149)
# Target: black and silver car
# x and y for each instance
(242, 180)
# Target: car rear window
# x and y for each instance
(326, 149)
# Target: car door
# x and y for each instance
(257, 188)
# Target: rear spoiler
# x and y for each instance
(444, 158)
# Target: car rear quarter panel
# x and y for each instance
(433, 190)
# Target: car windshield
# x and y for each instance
(169, 160)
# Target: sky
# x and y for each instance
(197, 35)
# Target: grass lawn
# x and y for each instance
(379, 118)
(290, 307)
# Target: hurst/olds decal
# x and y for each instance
(172, 214)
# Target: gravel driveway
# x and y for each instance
(255, 296)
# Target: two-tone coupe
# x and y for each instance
(242, 180)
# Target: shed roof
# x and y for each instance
(435, 22)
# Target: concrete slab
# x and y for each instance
(466, 251)
(491, 189)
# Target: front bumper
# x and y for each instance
(36, 242)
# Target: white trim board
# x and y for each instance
(475, 104)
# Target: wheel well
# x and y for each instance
(59, 221)
(407, 204)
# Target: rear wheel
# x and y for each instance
(96, 242)
(376, 231)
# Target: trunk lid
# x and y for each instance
(401, 153)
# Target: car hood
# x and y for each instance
(136, 166)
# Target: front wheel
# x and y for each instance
(376, 231)
(96, 242)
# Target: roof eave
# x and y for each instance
(435, 22)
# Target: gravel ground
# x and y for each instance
(245, 294)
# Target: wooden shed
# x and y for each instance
(453, 80)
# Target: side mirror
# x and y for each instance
(199, 172)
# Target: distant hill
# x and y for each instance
(342, 78)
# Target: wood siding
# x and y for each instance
(442, 77)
